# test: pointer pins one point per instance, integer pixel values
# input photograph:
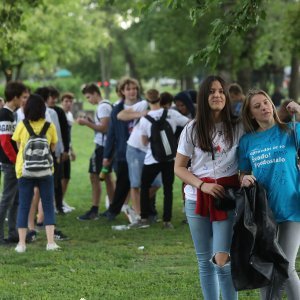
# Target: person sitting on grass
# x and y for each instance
(34, 111)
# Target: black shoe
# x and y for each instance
(4, 243)
(89, 215)
(31, 236)
(107, 214)
(59, 236)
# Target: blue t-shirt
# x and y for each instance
(271, 156)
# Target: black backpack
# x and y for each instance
(38, 161)
(162, 140)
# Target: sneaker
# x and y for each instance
(31, 236)
(59, 236)
(67, 208)
(132, 216)
(107, 214)
(89, 215)
(168, 225)
(141, 224)
(52, 247)
(20, 248)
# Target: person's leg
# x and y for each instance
(201, 231)
(57, 186)
(96, 189)
(222, 237)
(46, 190)
(110, 186)
(167, 172)
(149, 172)
(289, 240)
(66, 172)
(9, 200)
(122, 188)
(135, 160)
(26, 187)
(33, 210)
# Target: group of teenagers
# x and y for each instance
(214, 146)
(23, 116)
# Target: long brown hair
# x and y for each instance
(204, 126)
(251, 124)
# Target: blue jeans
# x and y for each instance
(9, 201)
(46, 188)
(135, 160)
(210, 238)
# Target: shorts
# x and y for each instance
(66, 169)
(135, 160)
(96, 160)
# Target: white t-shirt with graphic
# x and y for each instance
(104, 109)
(173, 117)
(226, 159)
(135, 137)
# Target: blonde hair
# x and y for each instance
(152, 95)
(127, 81)
(249, 122)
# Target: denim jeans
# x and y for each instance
(135, 160)
(210, 238)
(9, 201)
(46, 188)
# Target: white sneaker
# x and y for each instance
(20, 248)
(67, 206)
(132, 216)
(52, 247)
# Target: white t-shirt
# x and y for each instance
(70, 118)
(226, 159)
(104, 109)
(173, 117)
(135, 137)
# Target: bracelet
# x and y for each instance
(200, 186)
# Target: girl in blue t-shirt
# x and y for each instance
(268, 154)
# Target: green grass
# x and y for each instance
(99, 263)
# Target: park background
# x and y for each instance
(167, 44)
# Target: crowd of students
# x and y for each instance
(219, 136)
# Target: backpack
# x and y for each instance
(162, 140)
(38, 161)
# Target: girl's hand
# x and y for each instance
(248, 180)
(213, 189)
(293, 107)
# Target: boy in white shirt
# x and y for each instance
(151, 166)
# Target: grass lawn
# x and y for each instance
(99, 263)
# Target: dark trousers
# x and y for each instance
(122, 187)
(58, 194)
(148, 174)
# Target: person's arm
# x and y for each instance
(129, 114)
(109, 145)
(52, 147)
(145, 140)
(102, 127)
(293, 108)
(181, 171)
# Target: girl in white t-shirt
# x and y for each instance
(213, 132)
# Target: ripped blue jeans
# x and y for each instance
(210, 238)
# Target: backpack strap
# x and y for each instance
(30, 130)
(28, 127)
(150, 119)
(45, 128)
(164, 115)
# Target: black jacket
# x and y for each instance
(257, 260)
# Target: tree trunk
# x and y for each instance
(105, 62)
(18, 72)
(294, 82)
(244, 79)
